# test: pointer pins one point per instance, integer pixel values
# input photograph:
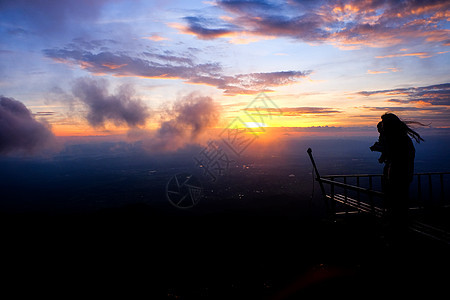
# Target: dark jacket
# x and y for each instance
(400, 153)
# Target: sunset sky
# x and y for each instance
(110, 67)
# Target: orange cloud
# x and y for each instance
(156, 38)
(113, 66)
(429, 7)
(85, 64)
(388, 70)
(418, 54)
(376, 72)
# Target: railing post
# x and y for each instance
(309, 151)
(333, 203)
(419, 191)
(383, 188)
(430, 190)
(345, 196)
(370, 194)
(358, 194)
(372, 205)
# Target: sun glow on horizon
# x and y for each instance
(131, 71)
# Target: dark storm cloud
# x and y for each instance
(186, 122)
(120, 108)
(350, 23)
(170, 66)
(19, 130)
(438, 94)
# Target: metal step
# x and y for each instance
(359, 205)
(431, 231)
(427, 230)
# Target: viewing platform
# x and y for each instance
(429, 201)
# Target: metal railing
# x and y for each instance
(429, 181)
(362, 199)
(356, 198)
(429, 192)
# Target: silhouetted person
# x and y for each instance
(397, 153)
(379, 145)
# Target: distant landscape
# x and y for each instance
(94, 176)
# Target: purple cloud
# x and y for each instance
(120, 108)
(155, 65)
(348, 23)
(19, 130)
(199, 27)
(294, 111)
(438, 94)
(186, 122)
(252, 83)
(429, 104)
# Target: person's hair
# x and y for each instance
(392, 125)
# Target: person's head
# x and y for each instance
(394, 127)
(380, 127)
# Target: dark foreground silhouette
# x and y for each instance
(136, 250)
(397, 154)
